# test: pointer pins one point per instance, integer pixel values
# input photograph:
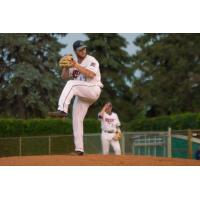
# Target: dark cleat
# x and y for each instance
(57, 114)
(77, 153)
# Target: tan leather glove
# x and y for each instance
(66, 61)
(118, 135)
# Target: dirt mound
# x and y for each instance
(95, 160)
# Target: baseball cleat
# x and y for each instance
(57, 114)
(77, 153)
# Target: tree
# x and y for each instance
(168, 73)
(29, 78)
(109, 49)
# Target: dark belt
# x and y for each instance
(109, 131)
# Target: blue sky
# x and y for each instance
(71, 37)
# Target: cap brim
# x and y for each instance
(82, 47)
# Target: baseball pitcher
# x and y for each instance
(111, 133)
(85, 86)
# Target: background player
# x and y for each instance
(86, 87)
(109, 125)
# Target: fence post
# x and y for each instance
(123, 143)
(189, 144)
(20, 146)
(169, 142)
(49, 145)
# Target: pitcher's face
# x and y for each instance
(81, 53)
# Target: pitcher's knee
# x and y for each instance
(70, 83)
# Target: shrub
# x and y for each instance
(176, 122)
(39, 127)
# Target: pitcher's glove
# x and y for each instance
(118, 135)
(66, 61)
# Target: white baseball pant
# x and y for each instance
(107, 140)
(85, 94)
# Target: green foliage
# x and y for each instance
(167, 74)
(92, 126)
(176, 122)
(43, 127)
(29, 76)
(34, 127)
(163, 78)
(109, 49)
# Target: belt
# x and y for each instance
(108, 131)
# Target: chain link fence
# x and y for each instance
(131, 143)
(181, 144)
(44, 145)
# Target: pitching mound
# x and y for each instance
(95, 160)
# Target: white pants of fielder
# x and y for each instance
(85, 95)
(107, 141)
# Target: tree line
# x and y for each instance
(161, 78)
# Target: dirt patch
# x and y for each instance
(95, 160)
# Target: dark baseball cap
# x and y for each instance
(78, 45)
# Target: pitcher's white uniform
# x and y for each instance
(86, 91)
(109, 125)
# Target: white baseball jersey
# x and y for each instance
(109, 122)
(92, 64)
(86, 92)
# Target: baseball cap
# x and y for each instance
(78, 45)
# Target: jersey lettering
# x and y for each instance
(75, 73)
